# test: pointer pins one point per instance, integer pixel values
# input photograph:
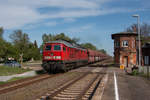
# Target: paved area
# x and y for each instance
(33, 66)
(26, 74)
(128, 87)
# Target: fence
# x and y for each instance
(145, 70)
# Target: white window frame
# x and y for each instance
(125, 43)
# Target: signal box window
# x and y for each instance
(57, 47)
(117, 44)
(124, 43)
(48, 47)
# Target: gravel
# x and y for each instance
(33, 91)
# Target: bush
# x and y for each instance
(135, 72)
(5, 70)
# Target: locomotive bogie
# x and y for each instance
(53, 67)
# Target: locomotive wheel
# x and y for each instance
(51, 68)
(45, 67)
(54, 68)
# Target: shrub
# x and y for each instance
(135, 72)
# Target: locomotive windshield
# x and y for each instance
(57, 47)
(48, 47)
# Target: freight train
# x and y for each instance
(62, 56)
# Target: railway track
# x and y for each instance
(23, 82)
(76, 85)
(81, 88)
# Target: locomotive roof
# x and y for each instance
(71, 45)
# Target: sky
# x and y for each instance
(90, 20)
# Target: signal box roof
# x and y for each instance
(124, 34)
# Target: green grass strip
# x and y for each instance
(5, 70)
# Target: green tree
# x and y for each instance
(75, 40)
(103, 51)
(45, 38)
(1, 32)
(2, 48)
(61, 36)
(10, 51)
(19, 37)
(34, 51)
(7, 50)
(2, 44)
(21, 43)
(89, 46)
(35, 44)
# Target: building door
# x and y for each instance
(126, 61)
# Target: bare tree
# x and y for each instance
(144, 29)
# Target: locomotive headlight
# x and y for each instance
(58, 57)
(47, 57)
(52, 57)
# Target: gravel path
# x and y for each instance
(26, 74)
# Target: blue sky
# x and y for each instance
(90, 20)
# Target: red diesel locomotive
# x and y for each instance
(62, 55)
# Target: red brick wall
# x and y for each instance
(129, 51)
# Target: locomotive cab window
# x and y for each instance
(48, 47)
(64, 49)
(57, 47)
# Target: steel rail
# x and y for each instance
(23, 83)
(86, 89)
(61, 89)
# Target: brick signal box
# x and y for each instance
(125, 48)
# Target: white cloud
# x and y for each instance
(16, 16)
(39, 24)
(54, 3)
(51, 23)
(73, 14)
(19, 13)
(80, 29)
(69, 20)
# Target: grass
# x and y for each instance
(12, 79)
(15, 78)
(2, 82)
(142, 74)
(5, 70)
